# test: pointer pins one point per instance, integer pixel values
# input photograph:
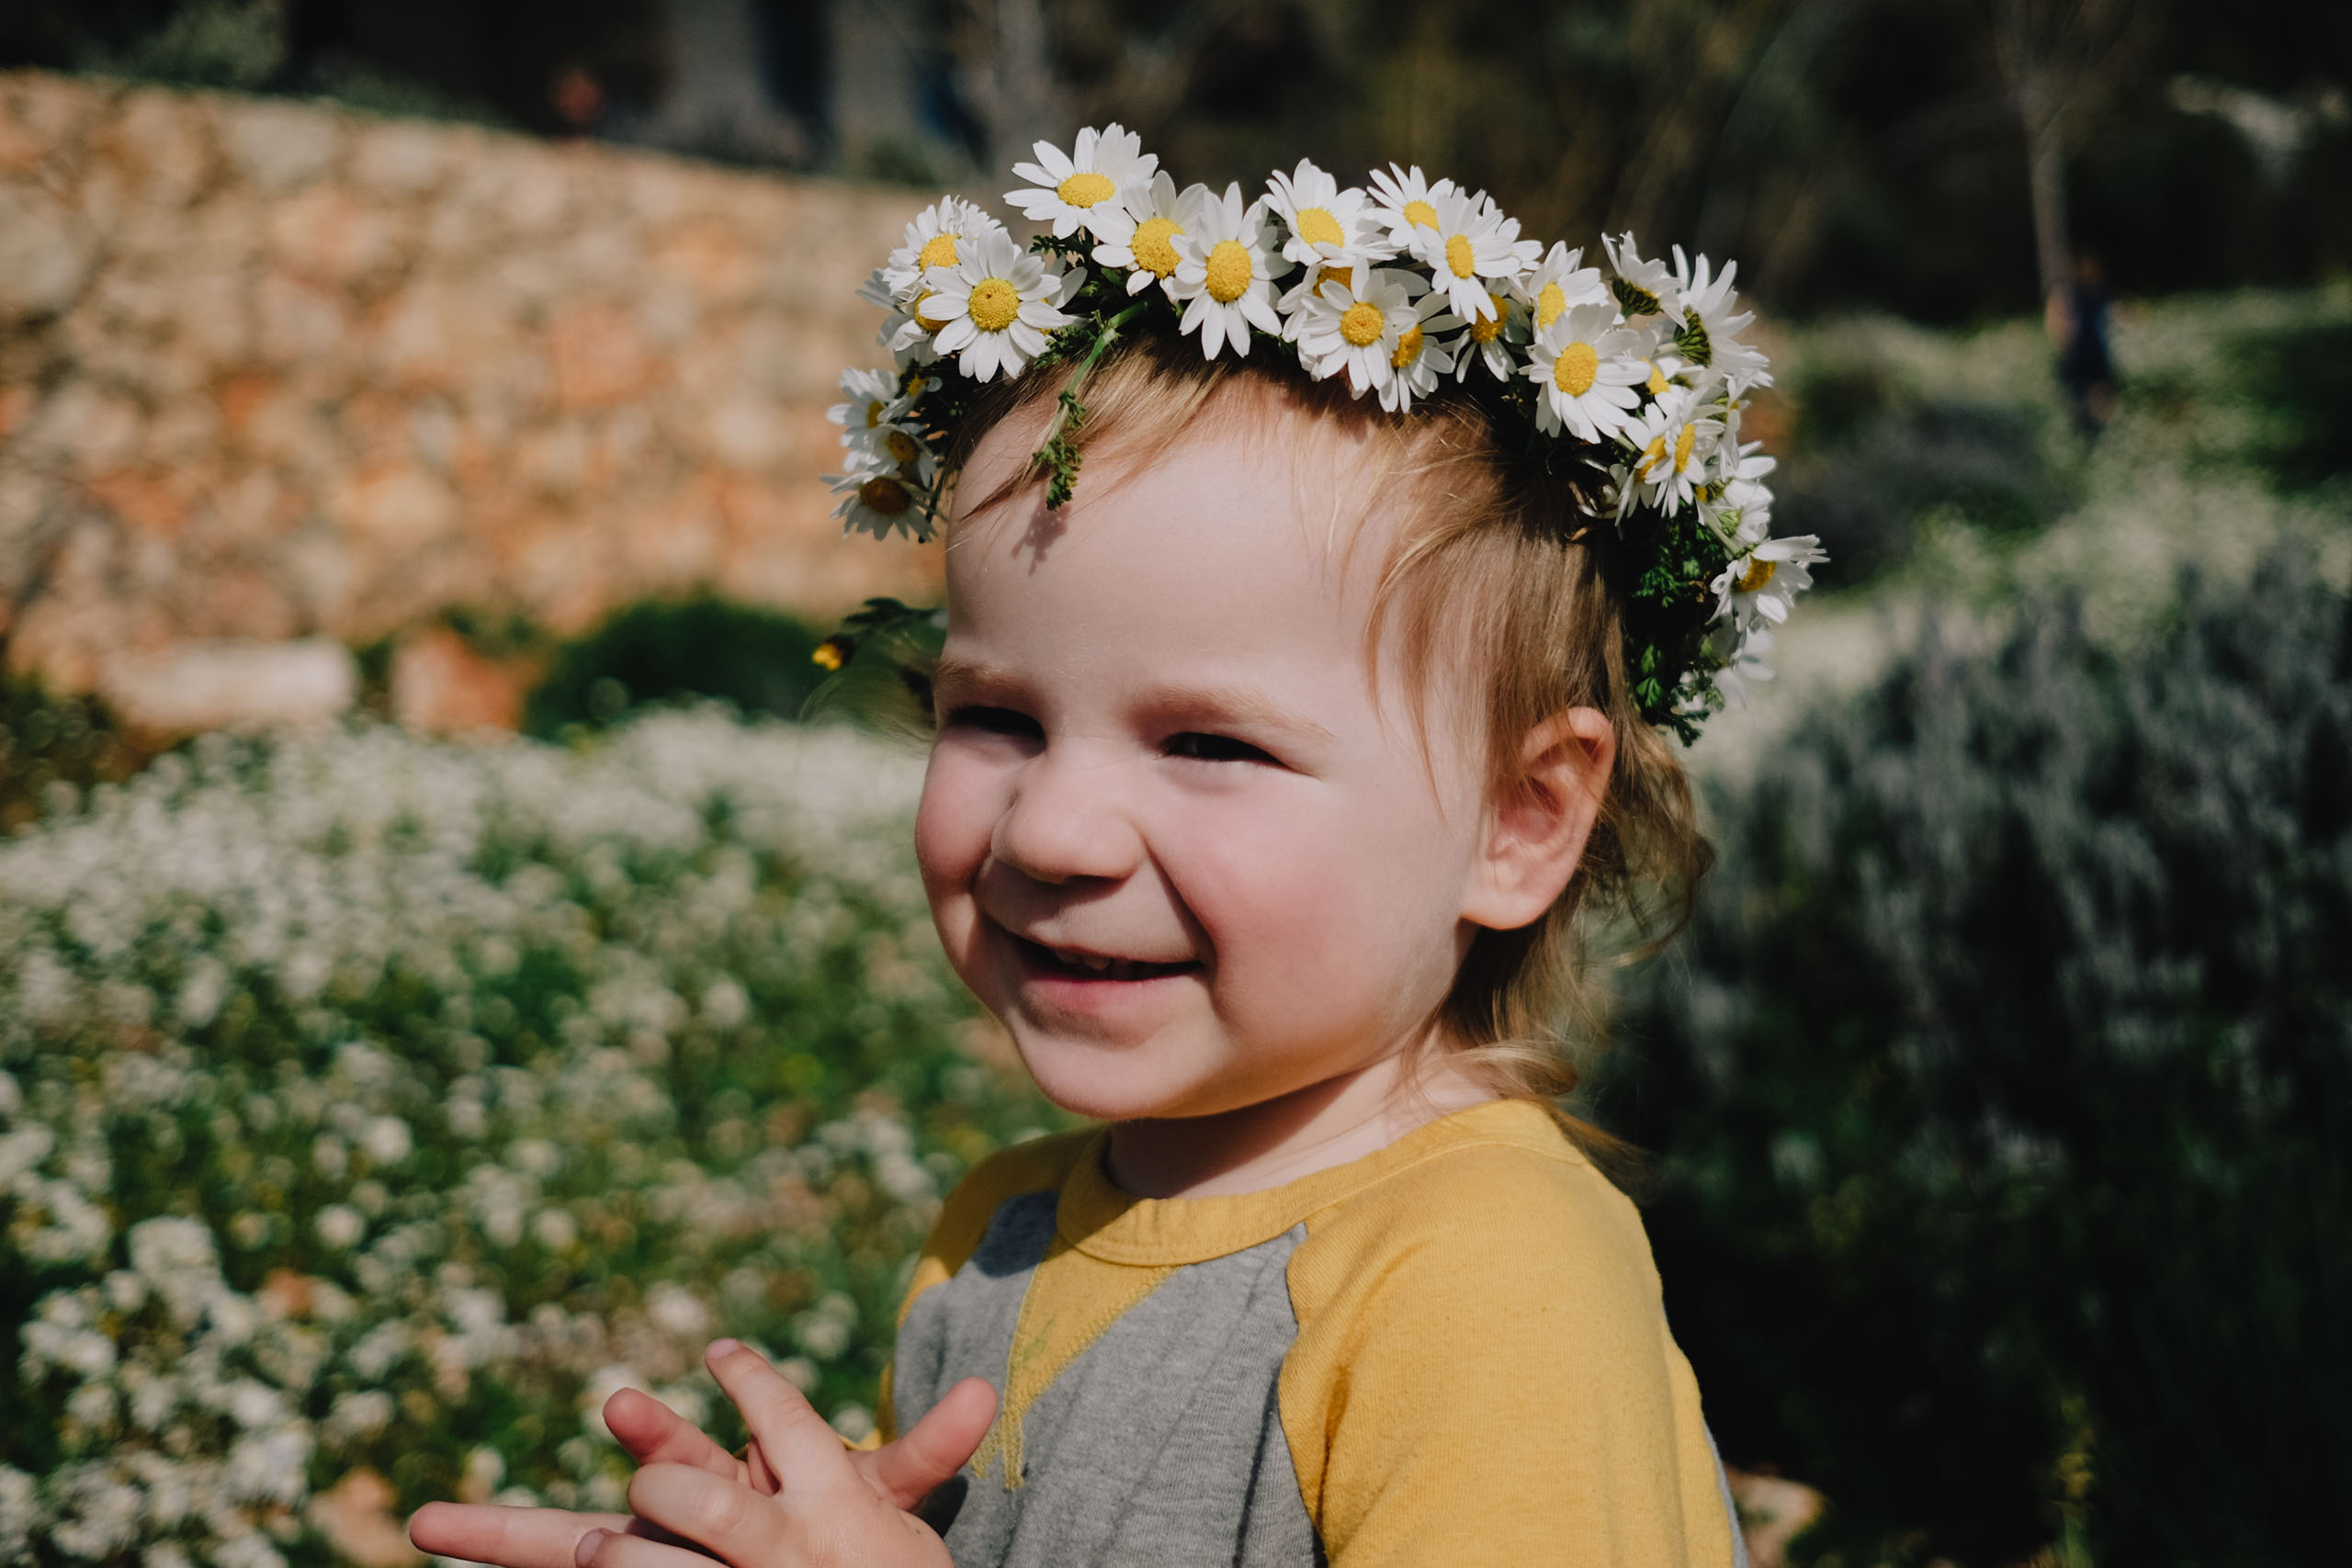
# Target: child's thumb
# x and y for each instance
(934, 1449)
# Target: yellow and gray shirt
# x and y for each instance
(1449, 1351)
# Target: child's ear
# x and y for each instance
(1536, 829)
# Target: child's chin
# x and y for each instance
(1106, 1085)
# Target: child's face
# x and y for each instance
(1171, 834)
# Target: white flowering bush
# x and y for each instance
(374, 1106)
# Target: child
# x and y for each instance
(1274, 765)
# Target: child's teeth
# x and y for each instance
(1094, 961)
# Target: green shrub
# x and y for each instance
(1872, 460)
(662, 651)
(54, 748)
(2301, 378)
(368, 1101)
(2002, 1096)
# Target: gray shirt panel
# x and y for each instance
(1162, 1442)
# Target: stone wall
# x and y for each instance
(271, 371)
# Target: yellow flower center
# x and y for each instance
(827, 655)
(1460, 257)
(1682, 445)
(1550, 300)
(1363, 324)
(873, 415)
(902, 446)
(1317, 226)
(1487, 329)
(1577, 368)
(1658, 382)
(937, 251)
(1086, 189)
(1228, 271)
(884, 495)
(1760, 572)
(1652, 456)
(1155, 244)
(994, 304)
(1408, 346)
(926, 323)
(1421, 213)
(1333, 274)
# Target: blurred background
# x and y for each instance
(455, 959)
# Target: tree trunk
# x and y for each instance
(2024, 34)
(2045, 160)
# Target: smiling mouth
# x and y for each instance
(1077, 963)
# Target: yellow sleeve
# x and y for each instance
(964, 1219)
(1482, 1374)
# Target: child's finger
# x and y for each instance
(511, 1537)
(613, 1549)
(935, 1448)
(724, 1517)
(655, 1433)
(793, 1439)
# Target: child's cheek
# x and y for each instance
(953, 825)
(1285, 890)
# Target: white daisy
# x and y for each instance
(1339, 330)
(1528, 251)
(873, 399)
(909, 331)
(1225, 273)
(994, 306)
(1709, 333)
(1420, 355)
(869, 397)
(878, 499)
(1642, 288)
(1072, 186)
(875, 421)
(1140, 231)
(900, 448)
(931, 241)
(1470, 247)
(1494, 340)
(1584, 373)
(1328, 227)
(1559, 281)
(1743, 649)
(1405, 201)
(1673, 440)
(1763, 584)
(1663, 373)
(1741, 504)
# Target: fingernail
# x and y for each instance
(589, 1544)
(723, 1347)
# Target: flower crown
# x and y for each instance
(1637, 377)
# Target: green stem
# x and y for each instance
(1071, 412)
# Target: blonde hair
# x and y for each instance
(1499, 530)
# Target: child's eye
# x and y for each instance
(1214, 748)
(1009, 722)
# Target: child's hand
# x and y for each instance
(819, 1516)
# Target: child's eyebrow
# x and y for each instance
(1232, 703)
(969, 681)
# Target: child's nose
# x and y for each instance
(1066, 822)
